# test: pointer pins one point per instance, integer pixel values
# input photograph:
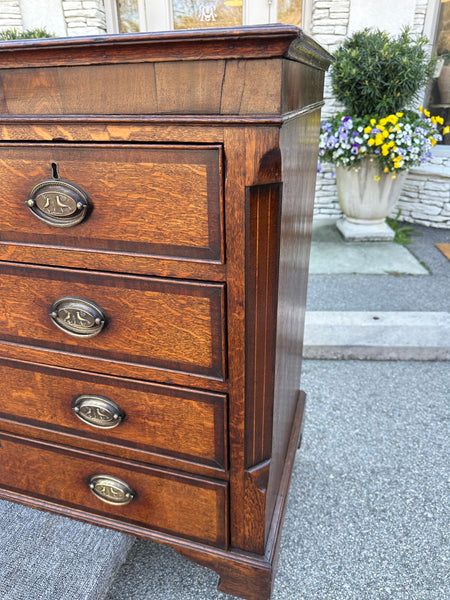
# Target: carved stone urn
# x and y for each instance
(367, 196)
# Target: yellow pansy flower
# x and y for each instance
(377, 178)
(367, 129)
(427, 113)
(386, 170)
(446, 130)
(371, 142)
(373, 122)
(399, 115)
(383, 122)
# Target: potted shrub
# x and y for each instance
(378, 137)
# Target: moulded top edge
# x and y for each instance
(266, 41)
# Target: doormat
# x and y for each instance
(445, 249)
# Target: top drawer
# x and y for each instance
(148, 200)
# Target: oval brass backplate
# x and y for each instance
(111, 489)
(58, 203)
(78, 317)
(97, 411)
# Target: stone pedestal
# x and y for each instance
(360, 230)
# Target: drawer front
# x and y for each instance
(152, 322)
(165, 501)
(166, 420)
(145, 200)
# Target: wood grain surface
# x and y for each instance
(197, 151)
(154, 322)
(147, 200)
(272, 41)
(161, 419)
(165, 501)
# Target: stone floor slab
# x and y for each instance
(330, 254)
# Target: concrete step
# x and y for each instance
(50, 557)
(397, 335)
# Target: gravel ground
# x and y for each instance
(368, 512)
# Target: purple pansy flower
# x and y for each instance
(331, 142)
(347, 122)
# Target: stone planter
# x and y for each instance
(444, 84)
(367, 202)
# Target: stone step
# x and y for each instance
(396, 335)
(50, 557)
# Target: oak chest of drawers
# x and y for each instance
(155, 223)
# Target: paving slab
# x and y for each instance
(331, 254)
(377, 335)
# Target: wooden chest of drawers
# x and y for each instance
(155, 223)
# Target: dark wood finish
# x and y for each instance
(61, 474)
(263, 212)
(299, 166)
(197, 151)
(160, 419)
(176, 325)
(165, 201)
(231, 43)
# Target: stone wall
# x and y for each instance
(425, 198)
(84, 17)
(10, 15)
(329, 27)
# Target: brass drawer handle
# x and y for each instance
(97, 411)
(111, 489)
(78, 317)
(58, 203)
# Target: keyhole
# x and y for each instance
(55, 172)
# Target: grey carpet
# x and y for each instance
(50, 557)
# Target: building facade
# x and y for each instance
(426, 194)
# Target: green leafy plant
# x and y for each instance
(376, 74)
(404, 233)
(14, 34)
